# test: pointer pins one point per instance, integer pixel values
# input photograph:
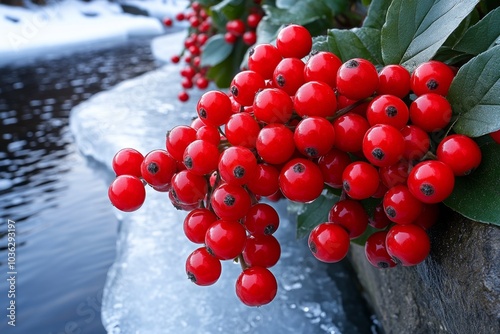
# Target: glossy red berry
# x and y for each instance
(214, 108)
(329, 242)
(236, 27)
(237, 165)
(230, 38)
(350, 130)
(314, 136)
(332, 166)
(273, 105)
(289, 75)
(357, 79)
(202, 268)
(294, 41)
(320, 66)
(263, 59)
(127, 161)
(256, 286)
(431, 181)
(262, 250)
(178, 139)
(417, 142)
(127, 193)
(401, 206)
(430, 112)
(242, 130)
(460, 153)
(394, 80)
(157, 168)
(360, 180)
(245, 85)
(249, 37)
(432, 77)
(376, 251)
(383, 145)
(183, 96)
(301, 180)
(261, 219)
(230, 202)
(208, 133)
(379, 219)
(408, 244)
(275, 143)
(265, 180)
(253, 20)
(388, 109)
(351, 215)
(201, 157)
(196, 224)
(225, 239)
(315, 98)
(188, 188)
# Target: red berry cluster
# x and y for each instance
(288, 128)
(237, 28)
(200, 30)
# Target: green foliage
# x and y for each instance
(314, 214)
(216, 51)
(477, 196)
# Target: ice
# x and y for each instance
(147, 290)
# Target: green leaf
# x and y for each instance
(354, 43)
(477, 196)
(361, 240)
(215, 51)
(314, 213)
(414, 30)
(231, 9)
(302, 12)
(475, 95)
(481, 36)
(223, 73)
(376, 14)
(285, 3)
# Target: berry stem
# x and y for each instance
(345, 110)
(242, 262)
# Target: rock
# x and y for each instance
(455, 290)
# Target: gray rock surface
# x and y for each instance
(456, 290)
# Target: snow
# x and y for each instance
(147, 290)
(66, 24)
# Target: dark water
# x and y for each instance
(65, 230)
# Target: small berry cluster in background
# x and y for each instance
(298, 124)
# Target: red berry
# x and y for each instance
(237, 165)
(428, 216)
(294, 41)
(202, 268)
(242, 130)
(301, 180)
(183, 96)
(401, 206)
(460, 153)
(175, 59)
(432, 77)
(388, 109)
(431, 112)
(350, 215)
(235, 27)
(201, 157)
(394, 175)
(208, 133)
(202, 83)
(315, 98)
(275, 143)
(214, 108)
(376, 251)
(332, 166)
(408, 244)
(127, 161)
(431, 181)
(253, 20)
(261, 219)
(262, 250)
(178, 139)
(314, 136)
(256, 286)
(417, 142)
(495, 136)
(329, 242)
(230, 38)
(289, 75)
(320, 67)
(349, 132)
(263, 59)
(265, 181)
(394, 80)
(249, 37)
(230, 202)
(379, 219)
(196, 224)
(360, 180)
(188, 188)
(157, 168)
(225, 239)
(245, 85)
(383, 145)
(180, 17)
(357, 79)
(127, 193)
(272, 105)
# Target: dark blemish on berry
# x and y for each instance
(391, 111)
(346, 186)
(153, 168)
(312, 247)
(383, 265)
(269, 229)
(432, 84)
(203, 113)
(229, 200)
(280, 80)
(311, 152)
(299, 168)
(239, 172)
(251, 51)
(234, 90)
(427, 189)
(378, 154)
(391, 213)
(191, 277)
(352, 63)
(188, 162)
